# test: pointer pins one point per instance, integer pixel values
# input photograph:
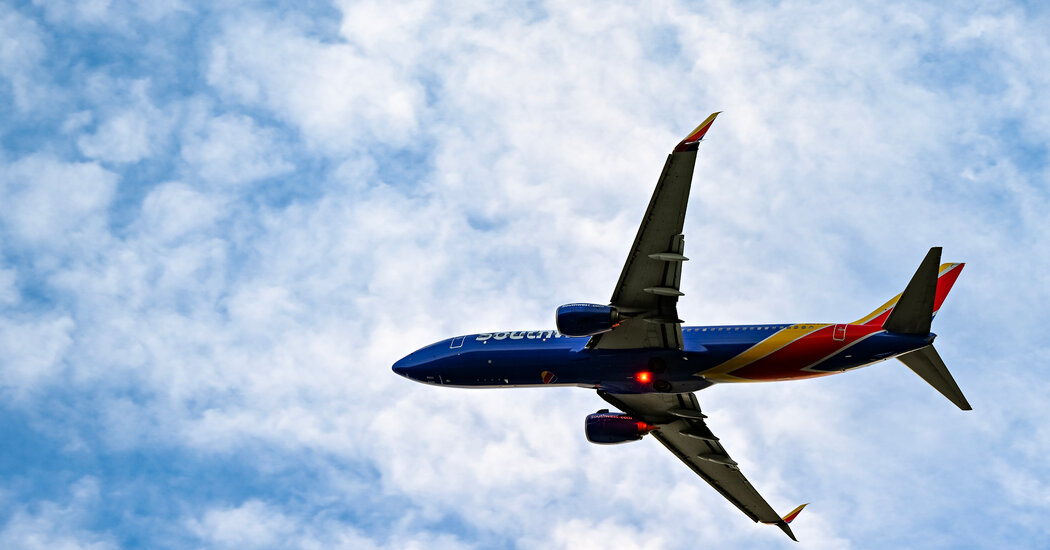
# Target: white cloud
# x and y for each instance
(123, 137)
(92, 11)
(337, 97)
(251, 525)
(584, 534)
(255, 524)
(232, 150)
(50, 203)
(173, 210)
(265, 333)
(117, 15)
(54, 526)
(8, 290)
(32, 353)
(132, 129)
(22, 50)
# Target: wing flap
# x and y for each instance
(705, 456)
(659, 234)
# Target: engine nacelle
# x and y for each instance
(586, 319)
(609, 428)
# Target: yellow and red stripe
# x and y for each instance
(788, 354)
(946, 277)
(794, 513)
(689, 143)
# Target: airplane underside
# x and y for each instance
(640, 358)
(711, 355)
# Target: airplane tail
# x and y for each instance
(944, 278)
(912, 312)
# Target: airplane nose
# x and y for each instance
(421, 365)
(402, 366)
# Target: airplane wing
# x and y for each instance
(648, 290)
(683, 431)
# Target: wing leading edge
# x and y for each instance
(649, 285)
(646, 296)
(683, 431)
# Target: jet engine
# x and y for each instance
(586, 319)
(609, 428)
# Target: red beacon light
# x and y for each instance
(644, 428)
(644, 377)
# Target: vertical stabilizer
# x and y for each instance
(913, 312)
(948, 274)
(927, 363)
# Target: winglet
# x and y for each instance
(794, 513)
(784, 521)
(690, 143)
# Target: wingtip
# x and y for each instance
(784, 521)
(698, 133)
(794, 513)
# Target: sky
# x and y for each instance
(222, 222)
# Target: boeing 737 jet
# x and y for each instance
(640, 358)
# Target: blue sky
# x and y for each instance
(220, 224)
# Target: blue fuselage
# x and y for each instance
(537, 358)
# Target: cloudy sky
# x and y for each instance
(220, 224)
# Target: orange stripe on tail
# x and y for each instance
(946, 277)
(689, 143)
(794, 513)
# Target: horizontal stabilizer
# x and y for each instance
(913, 313)
(928, 365)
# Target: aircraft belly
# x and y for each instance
(799, 352)
(819, 350)
(878, 347)
(640, 358)
(542, 365)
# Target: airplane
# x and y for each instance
(640, 358)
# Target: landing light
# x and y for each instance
(644, 377)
